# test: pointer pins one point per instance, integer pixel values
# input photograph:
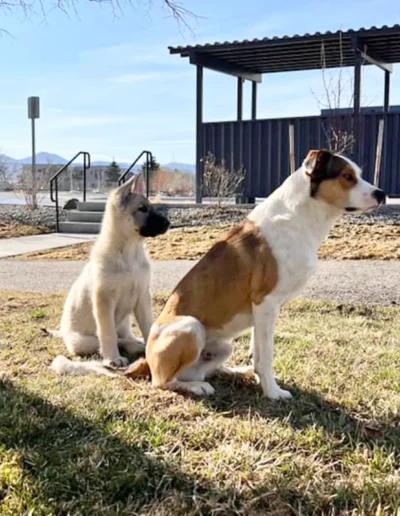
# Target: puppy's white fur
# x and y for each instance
(113, 286)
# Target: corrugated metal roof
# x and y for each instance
(301, 52)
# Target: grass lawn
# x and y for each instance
(15, 229)
(346, 242)
(95, 445)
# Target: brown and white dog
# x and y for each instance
(244, 279)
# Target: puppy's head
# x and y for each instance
(337, 181)
(135, 212)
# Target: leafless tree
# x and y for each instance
(336, 85)
(5, 175)
(33, 189)
(173, 8)
(219, 182)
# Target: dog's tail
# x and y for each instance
(51, 333)
(139, 369)
(62, 365)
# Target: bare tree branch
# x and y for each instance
(339, 137)
(219, 182)
(174, 7)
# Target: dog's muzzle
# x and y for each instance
(379, 195)
(155, 224)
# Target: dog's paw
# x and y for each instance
(278, 394)
(116, 362)
(201, 388)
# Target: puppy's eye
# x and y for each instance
(143, 209)
(349, 177)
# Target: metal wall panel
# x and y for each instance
(261, 147)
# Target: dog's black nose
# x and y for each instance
(379, 195)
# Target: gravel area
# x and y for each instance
(43, 216)
(214, 215)
(359, 282)
(188, 216)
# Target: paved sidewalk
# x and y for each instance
(30, 244)
(360, 282)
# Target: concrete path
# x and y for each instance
(360, 282)
(34, 243)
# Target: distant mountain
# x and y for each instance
(184, 167)
(7, 159)
(44, 158)
(108, 163)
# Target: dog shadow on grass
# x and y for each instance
(70, 465)
(240, 396)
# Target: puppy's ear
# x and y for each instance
(134, 185)
(124, 192)
(316, 159)
(138, 184)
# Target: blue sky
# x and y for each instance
(108, 84)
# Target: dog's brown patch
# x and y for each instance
(336, 191)
(331, 177)
(237, 271)
(169, 354)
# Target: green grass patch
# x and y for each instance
(95, 445)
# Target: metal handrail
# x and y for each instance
(54, 182)
(149, 159)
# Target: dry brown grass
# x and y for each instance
(15, 229)
(95, 445)
(362, 242)
(346, 242)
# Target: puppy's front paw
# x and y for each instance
(116, 362)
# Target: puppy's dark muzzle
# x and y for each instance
(155, 224)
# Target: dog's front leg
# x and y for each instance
(104, 313)
(265, 317)
(143, 313)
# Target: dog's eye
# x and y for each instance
(143, 209)
(349, 177)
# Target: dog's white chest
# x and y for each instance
(131, 285)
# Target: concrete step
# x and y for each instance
(84, 216)
(80, 227)
(91, 206)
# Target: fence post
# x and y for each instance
(379, 148)
(291, 149)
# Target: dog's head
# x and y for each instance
(337, 181)
(135, 212)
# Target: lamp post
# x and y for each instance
(33, 113)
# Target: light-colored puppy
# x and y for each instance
(243, 281)
(113, 286)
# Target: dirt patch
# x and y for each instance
(345, 242)
(13, 229)
(362, 242)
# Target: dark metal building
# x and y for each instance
(264, 147)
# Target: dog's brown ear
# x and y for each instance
(315, 159)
